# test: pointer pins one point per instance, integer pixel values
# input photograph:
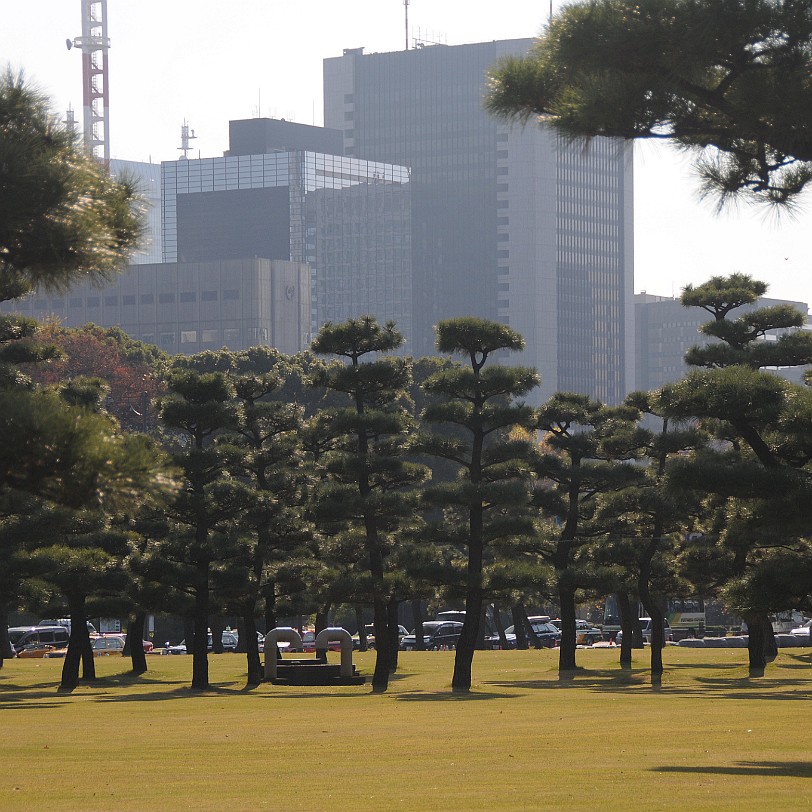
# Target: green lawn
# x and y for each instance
(709, 739)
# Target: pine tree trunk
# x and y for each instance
(5, 643)
(322, 618)
(200, 649)
(270, 606)
(770, 646)
(249, 629)
(135, 640)
(566, 654)
(417, 614)
(217, 627)
(627, 623)
(464, 657)
(466, 645)
(519, 619)
(380, 676)
(362, 631)
(242, 634)
(755, 643)
(78, 647)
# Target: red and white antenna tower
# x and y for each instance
(94, 44)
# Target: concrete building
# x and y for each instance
(348, 218)
(192, 306)
(665, 331)
(509, 223)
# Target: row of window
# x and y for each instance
(129, 299)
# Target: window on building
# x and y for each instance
(208, 296)
(188, 296)
(231, 294)
(166, 298)
(111, 301)
(147, 298)
(188, 336)
(93, 301)
(128, 299)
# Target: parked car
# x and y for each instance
(546, 632)
(22, 636)
(65, 621)
(229, 644)
(370, 630)
(804, 630)
(34, 651)
(585, 633)
(436, 635)
(103, 646)
(645, 625)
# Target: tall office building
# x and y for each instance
(509, 223)
(285, 191)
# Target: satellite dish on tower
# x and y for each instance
(69, 43)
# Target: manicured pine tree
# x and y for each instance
(265, 451)
(762, 423)
(645, 520)
(199, 530)
(582, 455)
(488, 501)
(370, 485)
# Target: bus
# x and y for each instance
(686, 616)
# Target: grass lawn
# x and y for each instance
(708, 739)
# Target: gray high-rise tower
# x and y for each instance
(510, 223)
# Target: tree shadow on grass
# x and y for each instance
(788, 769)
(452, 696)
(581, 678)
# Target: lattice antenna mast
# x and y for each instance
(94, 44)
(186, 136)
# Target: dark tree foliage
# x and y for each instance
(198, 531)
(584, 442)
(63, 218)
(369, 489)
(725, 79)
(488, 502)
(759, 464)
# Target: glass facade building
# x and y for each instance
(348, 218)
(509, 223)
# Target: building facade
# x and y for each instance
(348, 218)
(191, 306)
(509, 223)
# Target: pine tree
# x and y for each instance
(760, 463)
(585, 443)
(370, 486)
(488, 501)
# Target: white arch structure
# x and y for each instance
(335, 634)
(283, 634)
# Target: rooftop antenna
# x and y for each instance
(70, 120)
(94, 44)
(186, 135)
(406, 14)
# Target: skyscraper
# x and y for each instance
(509, 223)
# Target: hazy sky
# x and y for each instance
(209, 61)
